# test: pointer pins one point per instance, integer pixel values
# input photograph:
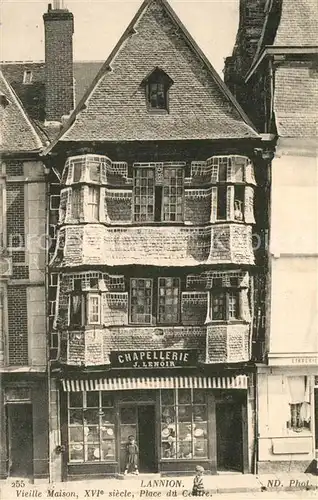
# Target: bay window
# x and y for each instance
(91, 427)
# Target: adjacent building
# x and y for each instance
(277, 85)
(29, 118)
(155, 285)
(23, 339)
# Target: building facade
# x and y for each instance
(23, 338)
(154, 281)
(278, 88)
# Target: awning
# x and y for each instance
(125, 384)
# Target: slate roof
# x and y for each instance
(298, 25)
(296, 100)
(17, 134)
(200, 106)
(33, 95)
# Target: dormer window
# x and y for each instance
(157, 86)
(27, 77)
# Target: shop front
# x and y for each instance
(24, 428)
(178, 422)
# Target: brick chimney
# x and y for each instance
(59, 85)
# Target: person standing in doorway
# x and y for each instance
(132, 456)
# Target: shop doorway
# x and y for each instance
(229, 440)
(20, 440)
(140, 422)
(147, 438)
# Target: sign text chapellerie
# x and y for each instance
(163, 358)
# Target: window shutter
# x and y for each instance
(230, 203)
(230, 177)
(69, 179)
(103, 215)
(214, 203)
(249, 173)
(249, 205)
(65, 208)
(244, 305)
(62, 307)
(68, 208)
(214, 166)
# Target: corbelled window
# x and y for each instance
(158, 202)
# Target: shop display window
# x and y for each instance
(183, 424)
(91, 426)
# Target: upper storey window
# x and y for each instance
(157, 86)
(158, 201)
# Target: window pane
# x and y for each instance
(144, 206)
(172, 202)
(218, 306)
(76, 399)
(239, 202)
(184, 396)
(168, 300)
(94, 308)
(157, 96)
(76, 416)
(167, 396)
(140, 301)
(76, 312)
(233, 305)
(92, 399)
(93, 204)
(76, 452)
(221, 203)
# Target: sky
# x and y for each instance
(100, 23)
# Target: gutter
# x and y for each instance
(271, 50)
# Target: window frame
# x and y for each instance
(89, 307)
(131, 322)
(84, 428)
(27, 77)
(158, 195)
(157, 315)
(83, 310)
(53, 197)
(225, 292)
(93, 206)
(155, 299)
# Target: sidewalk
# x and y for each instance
(155, 486)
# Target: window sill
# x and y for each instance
(227, 322)
(154, 111)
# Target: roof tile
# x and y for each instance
(17, 132)
(199, 107)
(296, 83)
(298, 24)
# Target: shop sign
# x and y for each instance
(163, 358)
